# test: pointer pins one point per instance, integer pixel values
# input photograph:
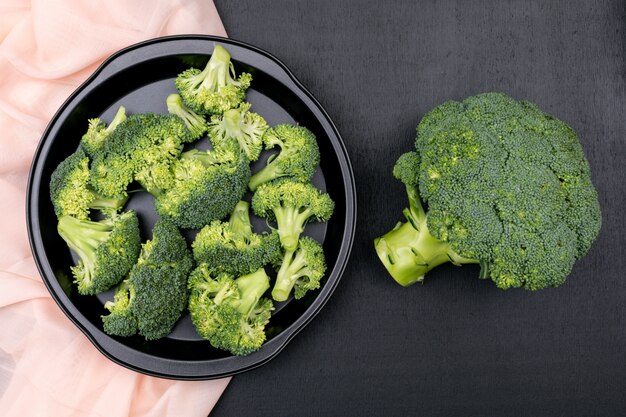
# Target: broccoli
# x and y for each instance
(230, 313)
(300, 270)
(107, 249)
(93, 140)
(196, 123)
(299, 155)
(151, 300)
(239, 124)
(507, 187)
(138, 146)
(232, 247)
(291, 204)
(214, 89)
(71, 193)
(205, 186)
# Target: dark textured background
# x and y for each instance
(455, 346)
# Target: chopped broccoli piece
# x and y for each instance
(206, 186)
(214, 89)
(291, 204)
(239, 124)
(230, 313)
(196, 123)
(151, 300)
(107, 249)
(93, 140)
(507, 186)
(71, 193)
(232, 247)
(135, 149)
(299, 155)
(300, 270)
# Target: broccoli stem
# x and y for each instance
(194, 122)
(290, 222)
(218, 71)
(288, 274)
(409, 251)
(240, 219)
(268, 173)
(251, 288)
(83, 237)
(108, 205)
(119, 117)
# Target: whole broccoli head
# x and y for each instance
(300, 270)
(230, 313)
(299, 155)
(291, 205)
(241, 125)
(215, 89)
(151, 300)
(107, 249)
(206, 186)
(71, 193)
(506, 185)
(232, 247)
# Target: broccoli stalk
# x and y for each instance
(409, 251)
(301, 270)
(196, 123)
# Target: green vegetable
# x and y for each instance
(239, 124)
(139, 146)
(232, 247)
(93, 140)
(107, 249)
(507, 187)
(196, 123)
(71, 193)
(201, 186)
(299, 155)
(291, 205)
(153, 297)
(230, 313)
(301, 270)
(214, 89)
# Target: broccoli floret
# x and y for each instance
(214, 89)
(93, 140)
(291, 205)
(107, 249)
(239, 124)
(230, 313)
(299, 155)
(196, 123)
(507, 186)
(232, 247)
(137, 148)
(71, 193)
(206, 186)
(300, 270)
(151, 300)
(119, 321)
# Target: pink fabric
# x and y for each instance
(47, 366)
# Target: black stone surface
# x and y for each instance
(454, 346)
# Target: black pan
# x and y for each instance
(140, 77)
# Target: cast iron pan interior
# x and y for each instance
(140, 77)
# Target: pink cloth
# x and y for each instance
(47, 366)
